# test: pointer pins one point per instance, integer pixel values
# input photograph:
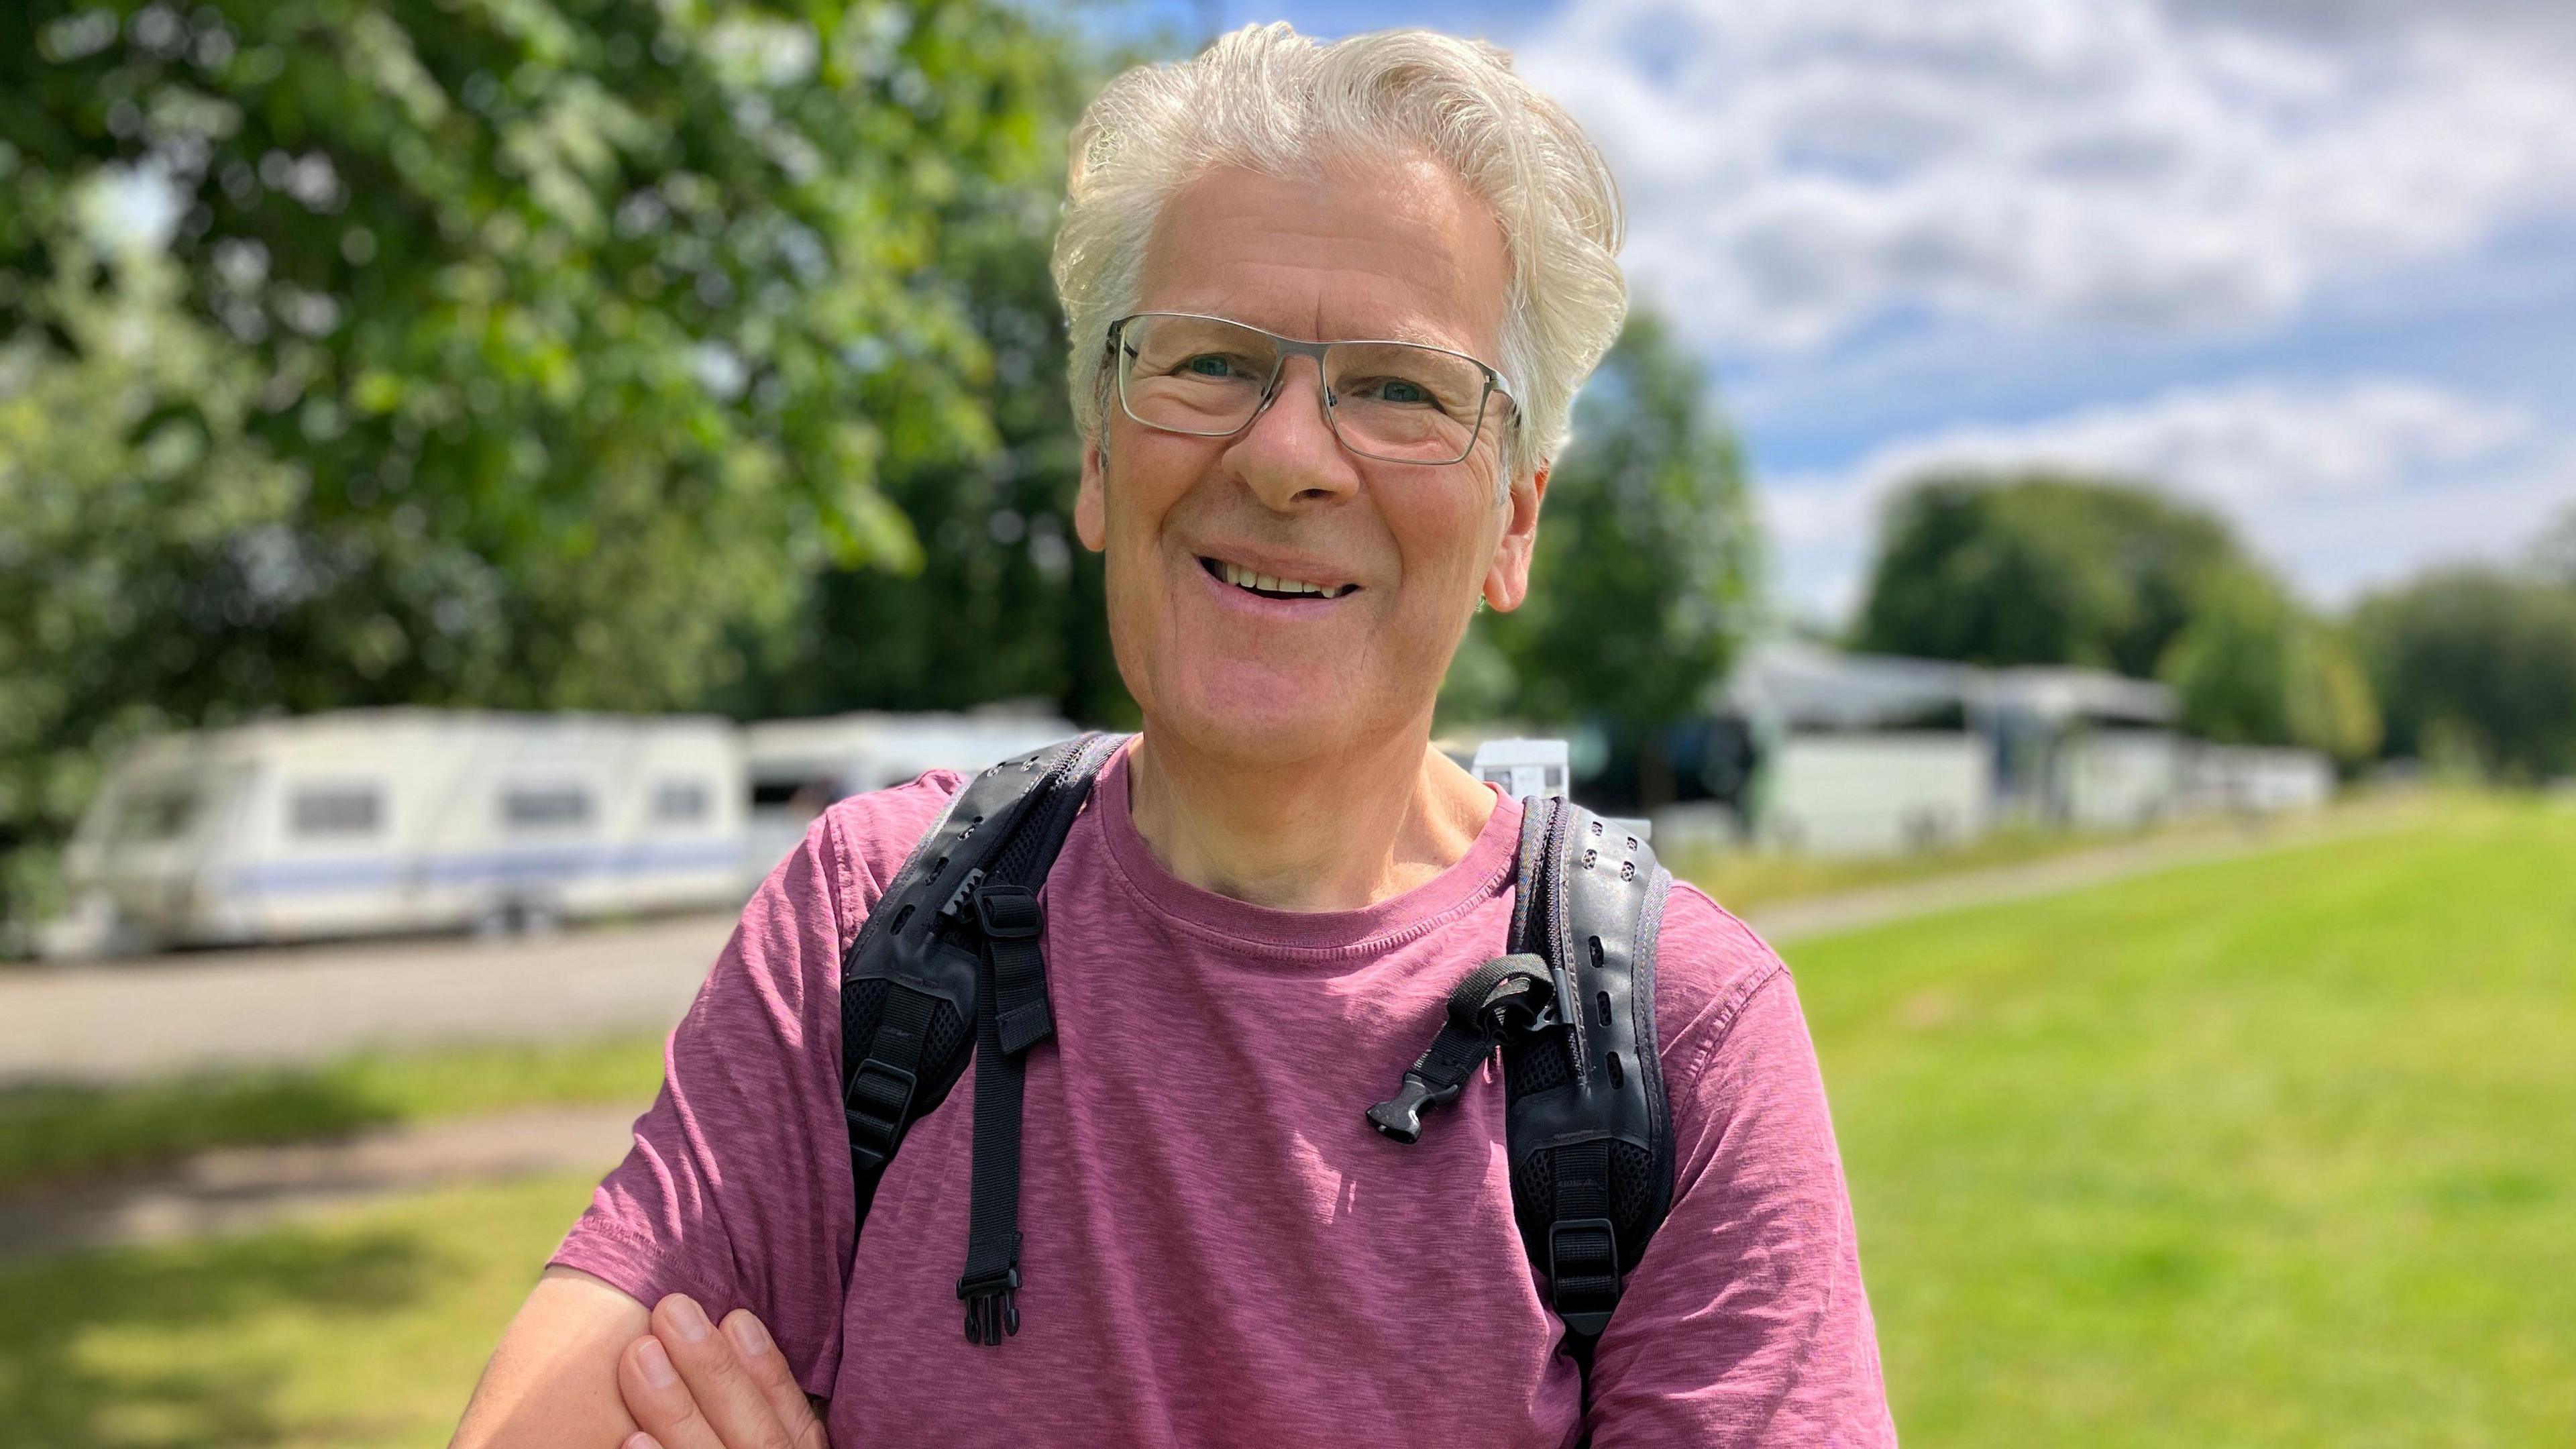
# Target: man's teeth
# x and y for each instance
(1244, 578)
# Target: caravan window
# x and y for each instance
(335, 810)
(679, 802)
(538, 807)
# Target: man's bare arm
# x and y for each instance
(553, 1380)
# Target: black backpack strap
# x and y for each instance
(948, 965)
(1573, 1009)
(1590, 1134)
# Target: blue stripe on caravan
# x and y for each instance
(507, 867)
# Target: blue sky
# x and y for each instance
(2312, 262)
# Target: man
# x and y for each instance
(1253, 922)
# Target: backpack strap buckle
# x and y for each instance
(1008, 912)
(992, 1304)
(1506, 995)
(1583, 1272)
(878, 1104)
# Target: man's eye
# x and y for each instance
(1209, 364)
(1394, 390)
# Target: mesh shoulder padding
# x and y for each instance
(1632, 1199)
(1535, 1064)
(864, 1004)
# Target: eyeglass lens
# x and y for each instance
(1389, 400)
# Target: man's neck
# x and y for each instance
(1335, 834)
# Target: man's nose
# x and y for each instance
(1289, 455)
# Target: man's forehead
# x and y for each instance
(1395, 250)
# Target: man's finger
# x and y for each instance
(659, 1402)
(732, 1402)
(768, 1368)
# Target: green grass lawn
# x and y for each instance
(54, 1132)
(2274, 1151)
(365, 1333)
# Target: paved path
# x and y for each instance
(234, 1189)
(119, 1020)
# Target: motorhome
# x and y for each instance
(798, 766)
(364, 822)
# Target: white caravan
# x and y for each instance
(2118, 779)
(372, 821)
(2252, 780)
(1874, 792)
(798, 766)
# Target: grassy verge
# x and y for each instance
(55, 1132)
(2279, 1150)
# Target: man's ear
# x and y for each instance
(1507, 582)
(1090, 507)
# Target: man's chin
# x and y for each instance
(1299, 720)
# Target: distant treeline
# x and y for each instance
(2469, 668)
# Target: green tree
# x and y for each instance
(1646, 565)
(2039, 569)
(538, 354)
(1004, 602)
(2253, 668)
(2553, 557)
(2476, 662)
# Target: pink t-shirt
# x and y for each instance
(1216, 1247)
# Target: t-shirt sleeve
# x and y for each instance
(737, 1189)
(1745, 1323)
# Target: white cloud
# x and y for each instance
(2342, 486)
(1799, 168)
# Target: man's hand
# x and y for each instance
(692, 1385)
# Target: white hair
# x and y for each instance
(1267, 99)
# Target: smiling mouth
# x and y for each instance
(1270, 586)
